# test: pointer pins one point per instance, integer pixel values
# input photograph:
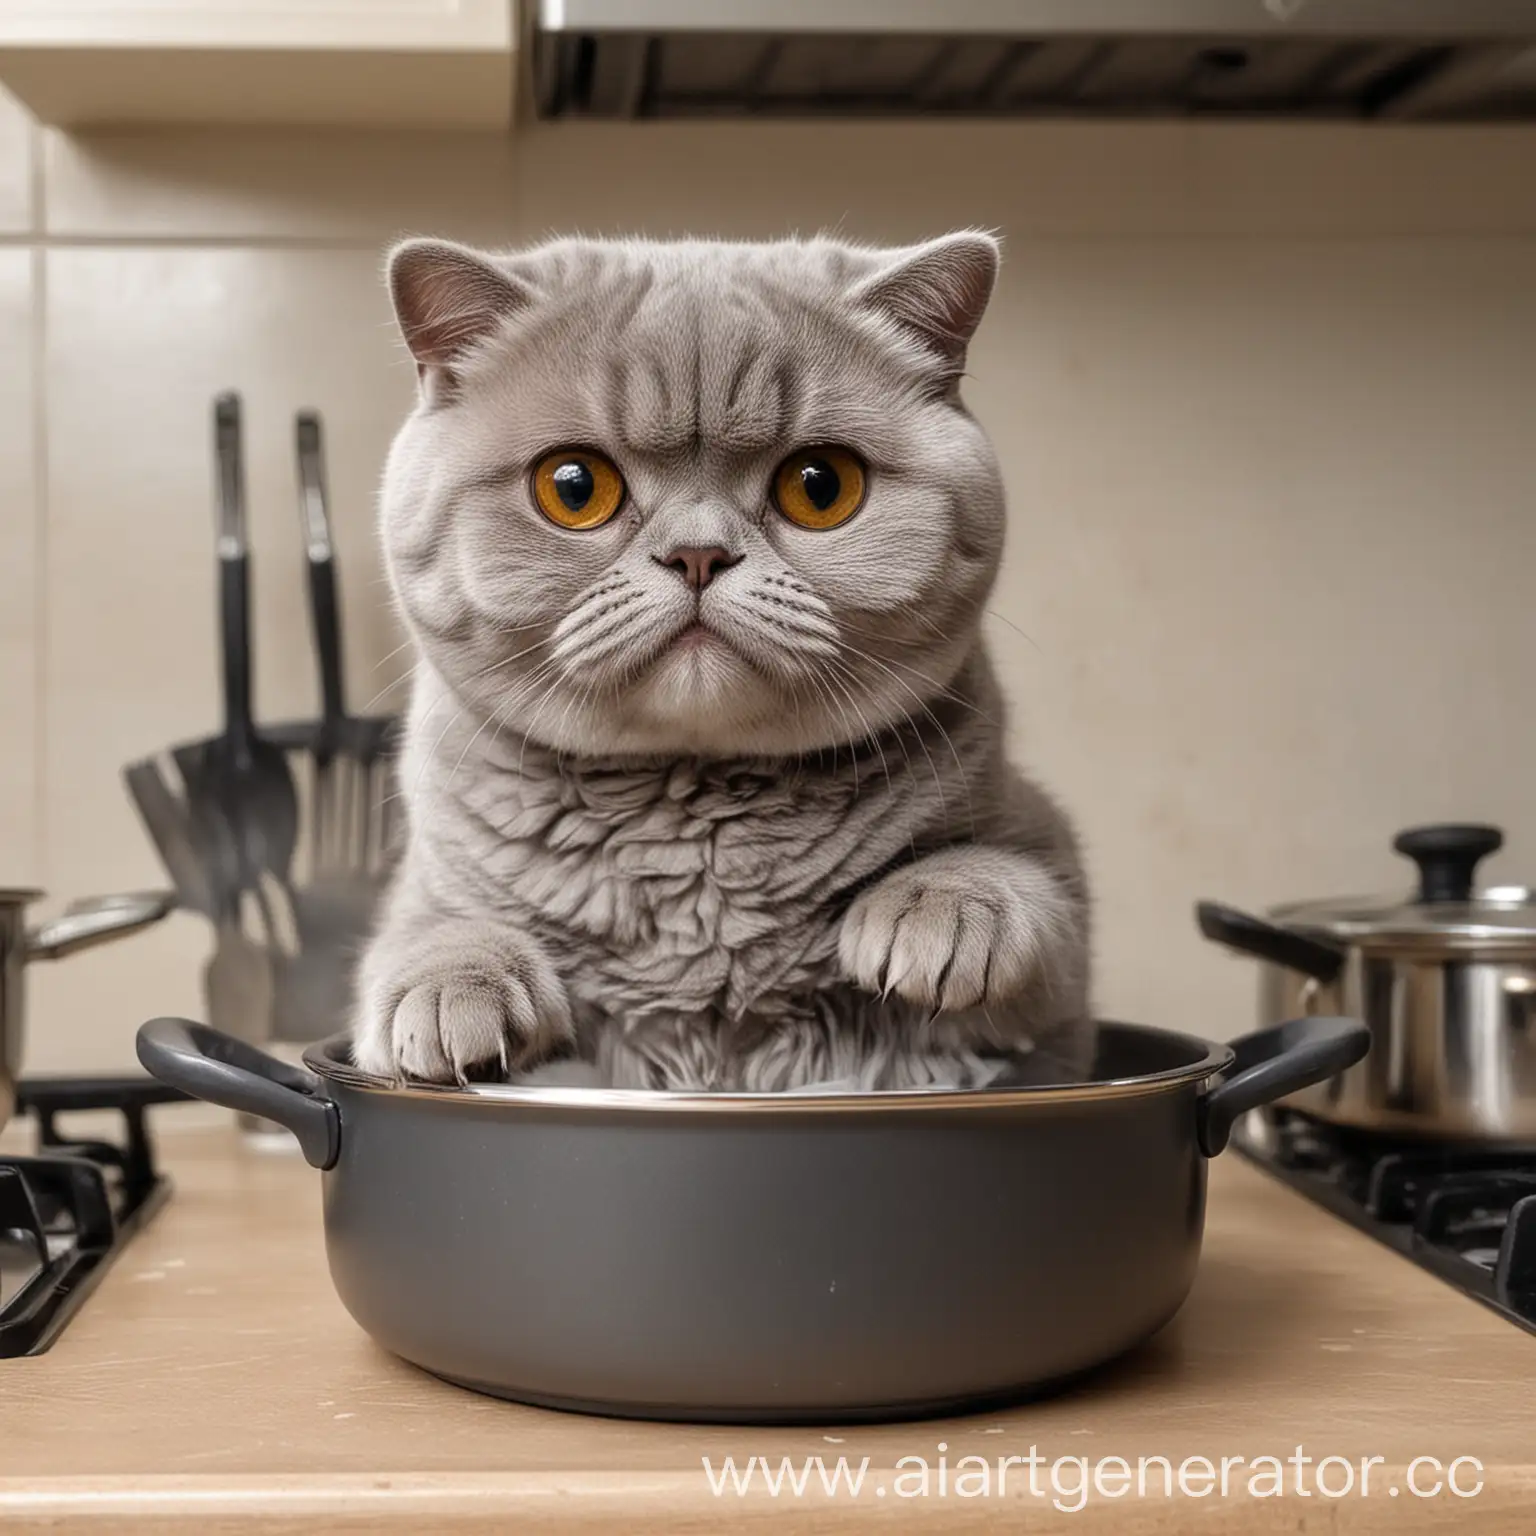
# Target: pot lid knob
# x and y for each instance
(1448, 857)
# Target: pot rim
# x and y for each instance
(1211, 1058)
(1458, 938)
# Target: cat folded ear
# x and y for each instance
(446, 299)
(937, 292)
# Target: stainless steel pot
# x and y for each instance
(1445, 980)
(86, 923)
(764, 1257)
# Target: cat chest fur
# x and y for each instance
(684, 889)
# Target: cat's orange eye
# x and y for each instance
(819, 487)
(577, 488)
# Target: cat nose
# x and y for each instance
(698, 566)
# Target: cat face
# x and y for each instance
(692, 498)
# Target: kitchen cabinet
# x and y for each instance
(318, 63)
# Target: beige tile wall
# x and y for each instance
(19, 538)
(19, 506)
(1266, 399)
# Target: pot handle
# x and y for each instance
(1252, 936)
(214, 1066)
(94, 921)
(1271, 1063)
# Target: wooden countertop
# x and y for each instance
(214, 1383)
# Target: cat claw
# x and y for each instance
(441, 1017)
(940, 942)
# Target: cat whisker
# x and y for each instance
(939, 691)
(570, 632)
(870, 735)
(996, 614)
(533, 721)
(811, 620)
(937, 724)
(899, 737)
(498, 715)
(884, 641)
(404, 645)
(522, 629)
(914, 611)
(431, 756)
(385, 692)
(824, 697)
(468, 744)
(618, 655)
(473, 677)
(921, 643)
(506, 661)
(852, 739)
(545, 669)
(499, 710)
(933, 769)
(578, 700)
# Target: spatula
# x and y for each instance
(239, 779)
(335, 908)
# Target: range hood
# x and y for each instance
(1441, 60)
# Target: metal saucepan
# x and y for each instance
(86, 923)
(762, 1257)
(1445, 981)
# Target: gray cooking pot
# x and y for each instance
(762, 1257)
(85, 924)
(1445, 980)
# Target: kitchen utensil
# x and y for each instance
(85, 924)
(169, 822)
(239, 784)
(1444, 980)
(347, 749)
(238, 984)
(297, 941)
(314, 984)
(329, 829)
(335, 907)
(210, 831)
(203, 862)
(241, 980)
(761, 1257)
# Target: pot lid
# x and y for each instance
(1445, 911)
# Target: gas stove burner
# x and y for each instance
(1466, 1214)
(67, 1212)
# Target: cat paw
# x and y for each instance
(444, 1008)
(945, 935)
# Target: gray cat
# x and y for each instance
(705, 776)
